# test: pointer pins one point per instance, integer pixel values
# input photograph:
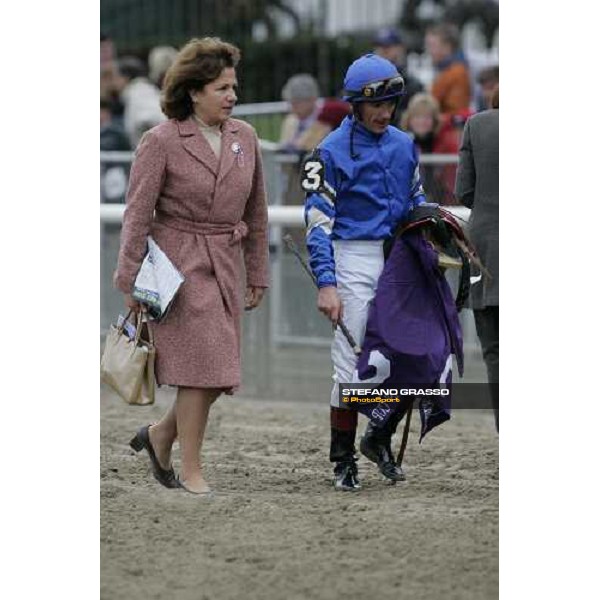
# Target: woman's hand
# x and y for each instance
(254, 295)
(329, 303)
(133, 305)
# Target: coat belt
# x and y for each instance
(238, 230)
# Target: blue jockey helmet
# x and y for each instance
(372, 78)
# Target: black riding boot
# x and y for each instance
(342, 450)
(376, 445)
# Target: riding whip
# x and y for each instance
(294, 249)
(405, 433)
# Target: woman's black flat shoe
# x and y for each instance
(165, 477)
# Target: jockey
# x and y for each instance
(360, 182)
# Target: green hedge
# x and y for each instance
(265, 67)
(268, 127)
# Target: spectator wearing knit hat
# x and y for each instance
(311, 118)
(302, 93)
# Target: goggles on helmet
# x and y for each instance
(380, 89)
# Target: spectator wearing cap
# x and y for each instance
(489, 82)
(451, 86)
(140, 97)
(387, 43)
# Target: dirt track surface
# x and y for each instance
(275, 528)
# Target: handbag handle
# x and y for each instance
(141, 318)
(139, 321)
(121, 327)
(150, 334)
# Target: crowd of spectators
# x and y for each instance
(434, 117)
(433, 114)
(130, 94)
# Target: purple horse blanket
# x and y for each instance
(412, 332)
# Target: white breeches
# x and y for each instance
(358, 265)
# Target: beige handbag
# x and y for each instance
(146, 393)
(127, 366)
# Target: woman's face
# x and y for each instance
(214, 103)
(421, 123)
(303, 108)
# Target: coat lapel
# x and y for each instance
(195, 143)
(231, 149)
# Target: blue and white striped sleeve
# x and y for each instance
(417, 193)
(319, 215)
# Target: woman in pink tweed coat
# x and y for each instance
(196, 187)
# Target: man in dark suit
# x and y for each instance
(477, 188)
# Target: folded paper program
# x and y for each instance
(157, 282)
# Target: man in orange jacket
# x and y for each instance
(451, 86)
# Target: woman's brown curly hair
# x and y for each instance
(199, 62)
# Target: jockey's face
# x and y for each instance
(376, 116)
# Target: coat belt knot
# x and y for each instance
(240, 231)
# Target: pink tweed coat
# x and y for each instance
(210, 217)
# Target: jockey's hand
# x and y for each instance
(329, 303)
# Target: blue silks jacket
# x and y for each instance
(360, 198)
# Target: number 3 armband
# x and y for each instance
(313, 176)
